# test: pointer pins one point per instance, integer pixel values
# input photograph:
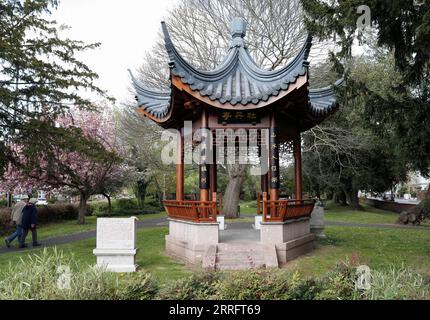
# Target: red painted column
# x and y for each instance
(274, 160)
(298, 166)
(213, 173)
(180, 167)
(264, 178)
(204, 175)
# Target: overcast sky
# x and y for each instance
(126, 29)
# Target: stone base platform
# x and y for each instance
(292, 238)
(197, 244)
(116, 260)
(188, 241)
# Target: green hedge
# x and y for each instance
(3, 203)
(120, 207)
(45, 214)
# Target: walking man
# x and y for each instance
(16, 219)
(29, 222)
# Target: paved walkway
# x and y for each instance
(234, 231)
(55, 241)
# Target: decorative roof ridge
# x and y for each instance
(322, 101)
(235, 52)
(154, 102)
(326, 91)
(300, 58)
(149, 90)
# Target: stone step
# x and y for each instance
(238, 261)
(240, 256)
(239, 266)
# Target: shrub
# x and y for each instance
(140, 286)
(3, 203)
(267, 285)
(398, 283)
(339, 284)
(5, 226)
(45, 214)
(151, 203)
(424, 207)
(98, 208)
(201, 286)
(38, 277)
(253, 285)
(120, 207)
(125, 204)
(56, 212)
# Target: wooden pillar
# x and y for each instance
(180, 167)
(264, 178)
(298, 166)
(274, 160)
(265, 182)
(213, 174)
(258, 203)
(264, 206)
(220, 203)
(204, 176)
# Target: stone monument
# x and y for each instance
(116, 244)
(257, 222)
(317, 220)
(221, 221)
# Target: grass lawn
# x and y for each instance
(378, 248)
(369, 214)
(71, 226)
(150, 256)
(337, 213)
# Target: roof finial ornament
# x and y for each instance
(238, 31)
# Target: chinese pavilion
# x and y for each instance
(271, 107)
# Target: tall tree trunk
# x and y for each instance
(351, 193)
(339, 197)
(237, 174)
(9, 200)
(83, 207)
(109, 203)
(140, 191)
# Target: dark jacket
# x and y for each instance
(29, 216)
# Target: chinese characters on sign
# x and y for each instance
(274, 160)
(226, 117)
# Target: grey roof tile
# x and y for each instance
(322, 101)
(237, 80)
(155, 102)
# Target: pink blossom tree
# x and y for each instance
(85, 157)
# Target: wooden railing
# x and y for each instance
(283, 210)
(196, 211)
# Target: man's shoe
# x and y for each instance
(37, 244)
(7, 243)
(23, 246)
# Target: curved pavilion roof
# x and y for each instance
(237, 83)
